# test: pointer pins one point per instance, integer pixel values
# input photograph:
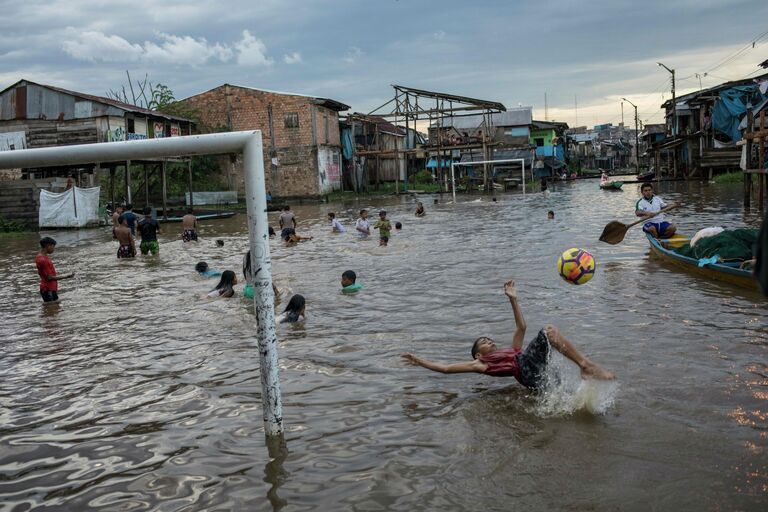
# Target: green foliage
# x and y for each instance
(729, 177)
(423, 177)
(12, 226)
(162, 96)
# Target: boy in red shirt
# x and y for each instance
(527, 365)
(49, 281)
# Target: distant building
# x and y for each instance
(300, 134)
(703, 127)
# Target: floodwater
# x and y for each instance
(135, 395)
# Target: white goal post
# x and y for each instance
(247, 143)
(508, 160)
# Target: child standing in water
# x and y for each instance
(122, 234)
(384, 228)
(420, 209)
(49, 281)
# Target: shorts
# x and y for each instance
(49, 295)
(661, 227)
(152, 247)
(189, 235)
(533, 361)
(286, 233)
(125, 251)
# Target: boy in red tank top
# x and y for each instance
(528, 366)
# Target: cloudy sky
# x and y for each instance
(585, 53)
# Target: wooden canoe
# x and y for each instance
(612, 185)
(729, 273)
(200, 216)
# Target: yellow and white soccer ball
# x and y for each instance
(576, 266)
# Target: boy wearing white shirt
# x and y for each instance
(336, 226)
(362, 226)
(648, 206)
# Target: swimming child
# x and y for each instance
(294, 311)
(384, 227)
(398, 226)
(291, 238)
(205, 271)
(528, 366)
(49, 281)
(551, 215)
(219, 243)
(130, 217)
(336, 226)
(348, 282)
(122, 234)
(420, 209)
(225, 288)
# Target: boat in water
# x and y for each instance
(199, 216)
(727, 272)
(612, 185)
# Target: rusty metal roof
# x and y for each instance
(101, 99)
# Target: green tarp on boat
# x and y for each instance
(731, 245)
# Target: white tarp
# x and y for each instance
(73, 208)
(13, 140)
(221, 197)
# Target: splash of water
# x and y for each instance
(567, 393)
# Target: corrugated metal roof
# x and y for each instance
(522, 116)
(101, 99)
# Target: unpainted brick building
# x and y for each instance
(302, 146)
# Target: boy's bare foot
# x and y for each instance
(593, 371)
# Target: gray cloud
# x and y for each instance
(352, 51)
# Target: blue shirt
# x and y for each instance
(131, 218)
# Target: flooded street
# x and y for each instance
(136, 395)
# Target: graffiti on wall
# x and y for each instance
(159, 130)
(329, 169)
(174, 131)
(115, 135)
(136, 136)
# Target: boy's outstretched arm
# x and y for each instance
(474, 366)
(511, 292)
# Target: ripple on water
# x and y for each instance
(134, 395)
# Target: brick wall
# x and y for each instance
(294, 147)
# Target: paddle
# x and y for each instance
(614, 231)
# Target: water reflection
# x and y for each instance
(133, 395)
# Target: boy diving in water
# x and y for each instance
(527, 366)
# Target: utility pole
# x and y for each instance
(674, 103)
(546, 110)
(622, 115)
(637, 145)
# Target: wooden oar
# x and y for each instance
(614, 232)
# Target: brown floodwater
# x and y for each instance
(133, 394)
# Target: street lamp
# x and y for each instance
(674, 103)
(637, 146)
